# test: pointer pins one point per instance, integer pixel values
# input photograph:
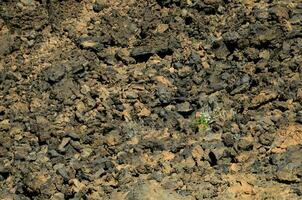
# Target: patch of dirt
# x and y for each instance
(157, 99)
(287, 137)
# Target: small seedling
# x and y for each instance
(202, 121)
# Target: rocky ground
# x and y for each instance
(150, 99)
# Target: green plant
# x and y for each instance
(204, 118)
(202, 121)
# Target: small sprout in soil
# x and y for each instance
(202, 121)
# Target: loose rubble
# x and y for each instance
(100, 99)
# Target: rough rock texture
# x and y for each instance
(151, 191)
(157, 99)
